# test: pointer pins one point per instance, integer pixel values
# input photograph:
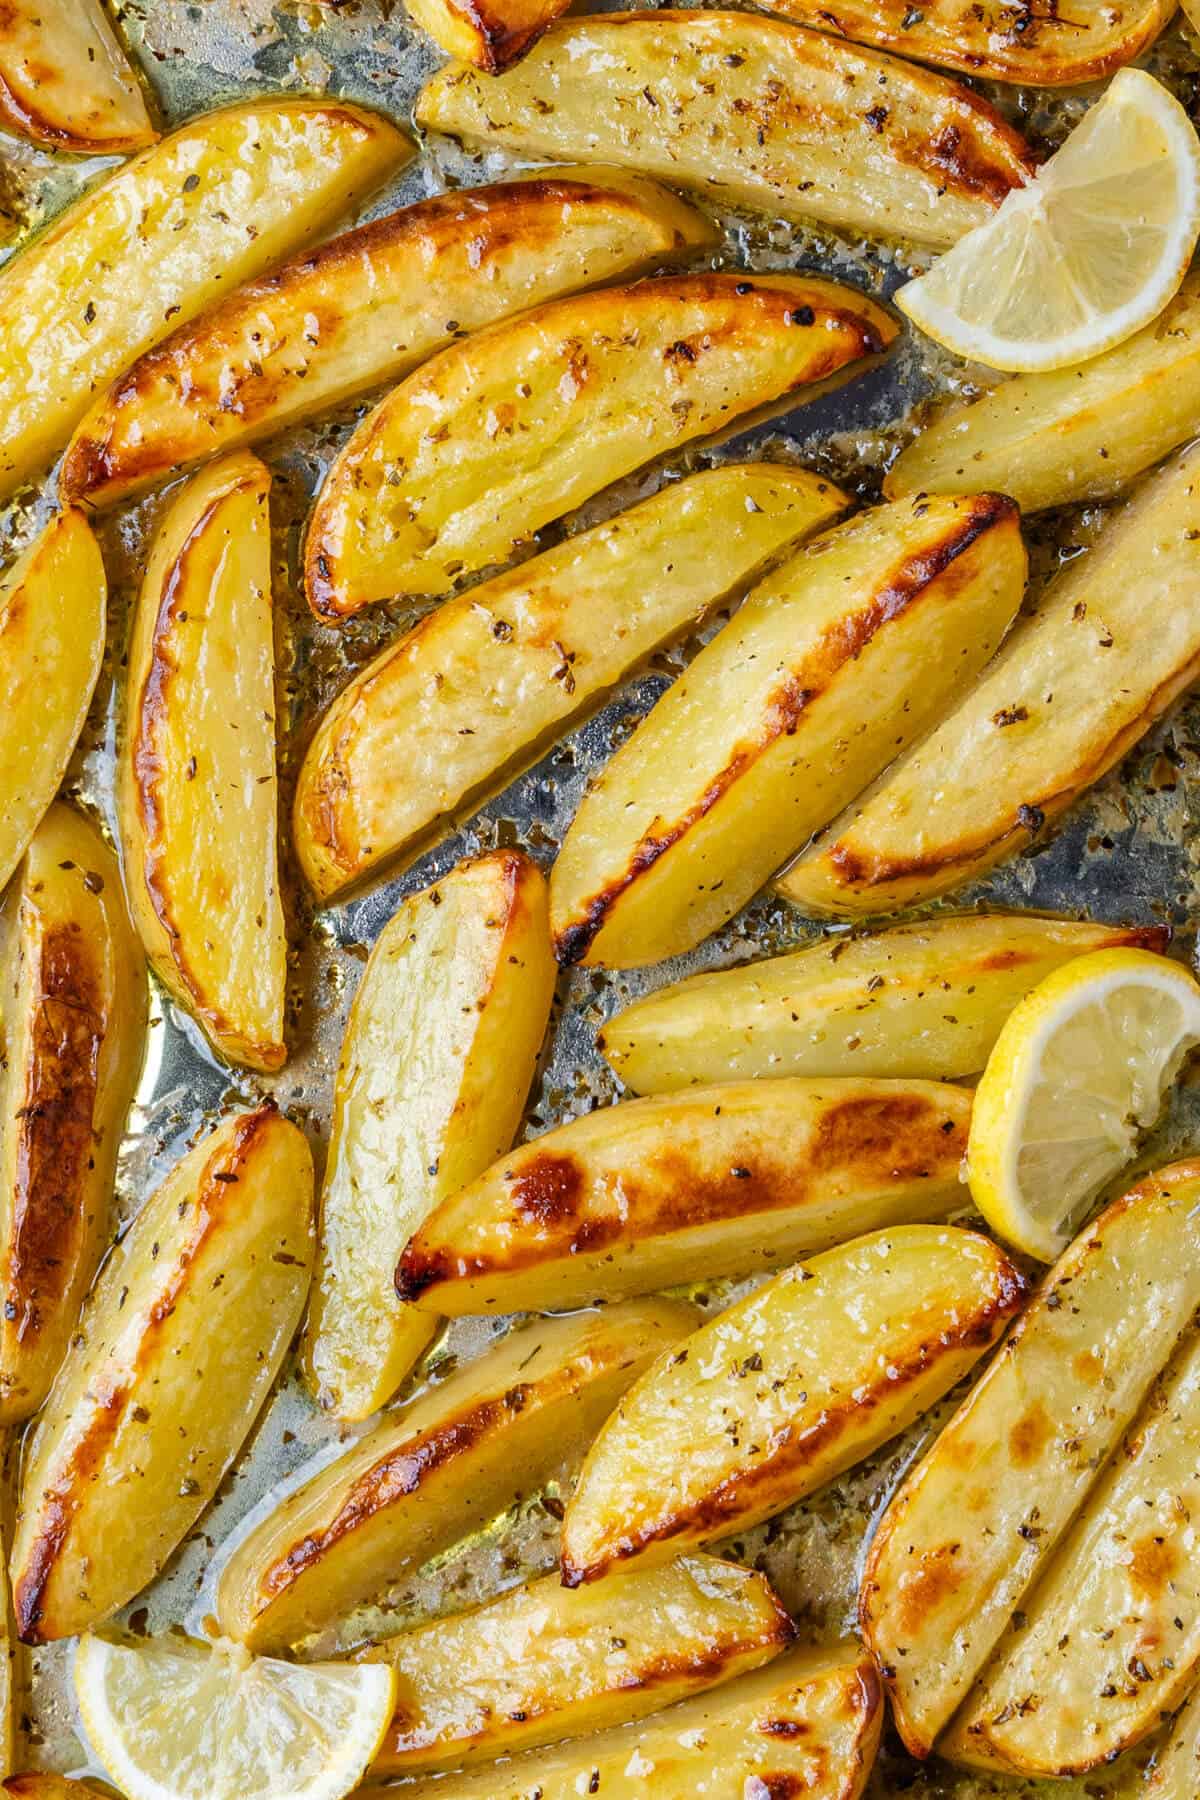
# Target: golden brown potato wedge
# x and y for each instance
(808, 1724)
(220, 200)
(1055, 46)
(73, 1002)
(489, 33)
(1174, 1772)
(179, 1346)
(439, 1052)
(196, 777)
(724, 1181)
(501, 434)
(1115, 639)
(752, 111)
(441, 1466)
(543, 1662)
(52, 620)
(43, 1786)
(65, 80)
(474, 693)
(839, 659)
(976, 1521)
(1111, 1637)
(774, 1397)
(1074, 434)
(924, 1001)
(364, 309)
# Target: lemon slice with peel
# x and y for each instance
(1079, 1071)
(1086, 253)
(172, 1719)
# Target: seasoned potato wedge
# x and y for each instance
(1114, 641)
(196, 776)
(1175, 1771)
(542, 1662)
(473, 693)
(437, 1469)
(923, 1000)
(1112, 1637)
(837, 660)
(975, 1522)
(73, 1002)
(65, 80)
(437, 1060)
(753, 111)
(1072, 434)
(52, 616)
(489, 33)
(724, 1181)
(180, 1344)
(780, 1393)
(503, 433)
(1055, 47)
(217, 202)
(808, 1724)
(364, 309)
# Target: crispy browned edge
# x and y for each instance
(1028, 1435)
(840, 645)
(150, 710)
(734, 1498)
(500, 41)
(90, 463)
(28, 122)
(217, 1195)
(882, 1136)
(44, 1786)
(703, 1664)
(868, 332)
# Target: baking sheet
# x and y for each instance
(1130, 853)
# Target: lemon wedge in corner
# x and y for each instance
(172, 1719)
(1086, 253)
(1080, 1069)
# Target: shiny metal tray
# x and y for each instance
(1129, 853)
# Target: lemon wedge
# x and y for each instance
(1086, 253)
(1080, 1069)
(172, 1719)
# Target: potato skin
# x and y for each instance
(436, 1469)
(196, 780)
(273, 174)
(725, 1180)
(364, 309)
(430, 487)
(74, 1009)
(489, 33)
(476, 690)
(755, 111)
(65, 81)
(52, 619)
(44, 1786)
(182, 1339)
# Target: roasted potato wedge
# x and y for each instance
(1112, 1638)
(220, 200)
(52, 619)
(196, 779)
(179, 1346)
(807, 1724)
(437, 1469)
(777, 1395)
(839, 659)
(489, 33)
(916, 1001)
(512, 428)
(1074, 434)
(977, 1520)
(364, 309)
(725, 1181)
(73, 1002)
(542, 1663)
(475, 692)
(43, 1786)
(65, 80)
(752, 111)
(1115, 639)
(1055, 47)
(439, 1052)
(1174, 1773)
